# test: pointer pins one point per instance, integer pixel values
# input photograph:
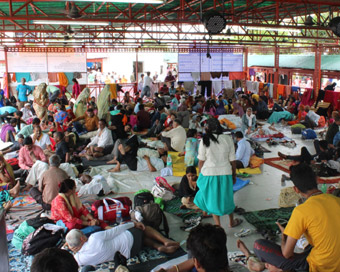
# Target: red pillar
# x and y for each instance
(276, 72)
(317, 71)
(245, 66)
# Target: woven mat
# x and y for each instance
(145, 261)
(173, 206)
(266, 219)
(284, 165)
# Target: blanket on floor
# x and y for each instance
(266, 219)
(178, 166)
(284, 165)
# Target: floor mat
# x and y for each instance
(284, 165)
(145, 261)
(250, 171)
(266, 219)
(178, 165)
(173, 206)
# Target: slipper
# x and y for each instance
(239, 210)
(243, 233)
(237, 222)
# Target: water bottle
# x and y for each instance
(169, 162)
(119, 218)
(324, 188)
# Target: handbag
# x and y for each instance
(162, 192)
(106, 209)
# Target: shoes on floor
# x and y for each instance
(191, 226)
(193, 220)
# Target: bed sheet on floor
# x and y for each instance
(128, 181)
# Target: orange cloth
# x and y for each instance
(113, 91)
(280, 89)
(228, 123)
(14, 78)
(261, 86)
(63, 81)
(255, 161)
(237, 75)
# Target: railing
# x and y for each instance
(95, 90)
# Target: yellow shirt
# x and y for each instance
(319, 219)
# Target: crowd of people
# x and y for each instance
(53, 150)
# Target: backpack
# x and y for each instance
(143, 198)
(308, 134)
(46, 236)
(153, 216)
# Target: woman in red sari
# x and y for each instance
(68, 208)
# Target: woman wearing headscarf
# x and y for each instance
(217, 169)
(248, 122)
(6, 173)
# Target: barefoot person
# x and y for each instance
(6, 195)
(253, 263)
(128, 239)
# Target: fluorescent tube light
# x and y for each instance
(71, 22)
(124, 1)
(268, 28)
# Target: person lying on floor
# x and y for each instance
(101, 144)
(67, 207)
(208, 251)
(323, 153)
(243, 152)
(128, 239)
(316, 219)
(48, 184)
(128, 155)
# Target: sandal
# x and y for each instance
(237, 222)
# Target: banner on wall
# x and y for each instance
(20, 62)
(66, 62)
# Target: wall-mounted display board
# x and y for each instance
(20, 62)
(66, 62)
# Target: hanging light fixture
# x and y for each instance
(214, 22)
(334, 24)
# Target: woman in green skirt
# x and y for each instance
(217, 169)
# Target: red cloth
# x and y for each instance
(75, 90)
(306, 98)
(333, 98)
(237, 75)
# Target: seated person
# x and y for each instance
(67, 207)
(243, 152)
(18, 116)
(29, 154)
(175, 138)
(128, 239)
(61, 147)
(143, 119)
(208, 251)
(54, 259)
(6, 173)
(332, 130)
(164, 89)
(188, 188)
(300, 115)
(48, 184)
(91, 122)
(28, 129)
(173, 103)
(262, 109)
(248, 122)
(7, 194)
(315, 220)
(159, 101)
(7, 133)
(118, 121)
(41, 139)
(127, 133)
(191, 148)
(27, 114)
(101, 144)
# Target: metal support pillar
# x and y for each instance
(317, 71)
(276, 72)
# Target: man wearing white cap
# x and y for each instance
(27, 113)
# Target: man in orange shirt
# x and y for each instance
(91, 122)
